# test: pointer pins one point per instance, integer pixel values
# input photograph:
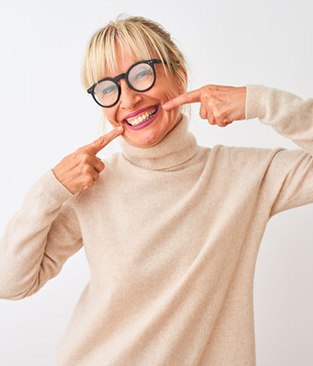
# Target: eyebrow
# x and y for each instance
(123, 73)
(115, 73)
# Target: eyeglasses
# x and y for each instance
(140, 77)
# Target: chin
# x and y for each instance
(143, 145)
(153, 136)
(143, 142)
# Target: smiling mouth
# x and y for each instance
(143, 117)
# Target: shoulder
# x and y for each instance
(251, 162)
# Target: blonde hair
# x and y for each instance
(140, 36)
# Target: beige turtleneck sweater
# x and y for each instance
(171, 234)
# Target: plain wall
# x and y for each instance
(46, 114)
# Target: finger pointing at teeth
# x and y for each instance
(190, 97)
(81, 169)
(97, 145)
(219, 104)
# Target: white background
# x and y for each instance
(46, 114)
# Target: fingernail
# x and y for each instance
(120, 128)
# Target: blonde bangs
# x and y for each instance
(141, 37)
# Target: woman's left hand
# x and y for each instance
(220, 105)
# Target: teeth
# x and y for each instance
(143, 117)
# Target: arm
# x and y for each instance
(287, 113)
(45, 231)
(289, 176)
(284, 177)
(38, 238)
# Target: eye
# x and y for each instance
(142, 74)
(108, 90)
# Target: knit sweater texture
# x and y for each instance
(171, 234)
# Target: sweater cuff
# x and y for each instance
(255, 101)
(54, 187)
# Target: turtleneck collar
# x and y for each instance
(178, 146)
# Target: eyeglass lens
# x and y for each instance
(140, 77)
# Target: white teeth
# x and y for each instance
(143, 117)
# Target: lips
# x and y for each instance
(141, 118)
(143, 121)
(138, 112)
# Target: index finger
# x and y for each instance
(98, 144)
(189, 97)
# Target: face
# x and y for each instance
(133, 104)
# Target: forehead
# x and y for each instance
(123, 61)
(120, 58)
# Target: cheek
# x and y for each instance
(110, 115)
(167, 88)
(171, 93)
(175, 90)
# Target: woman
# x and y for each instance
(171, 229)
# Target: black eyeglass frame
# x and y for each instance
(115, 80)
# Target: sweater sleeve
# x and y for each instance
(38, 238)
(289, 176)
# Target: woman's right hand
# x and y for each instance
(81, 169)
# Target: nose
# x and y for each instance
(129, 97)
